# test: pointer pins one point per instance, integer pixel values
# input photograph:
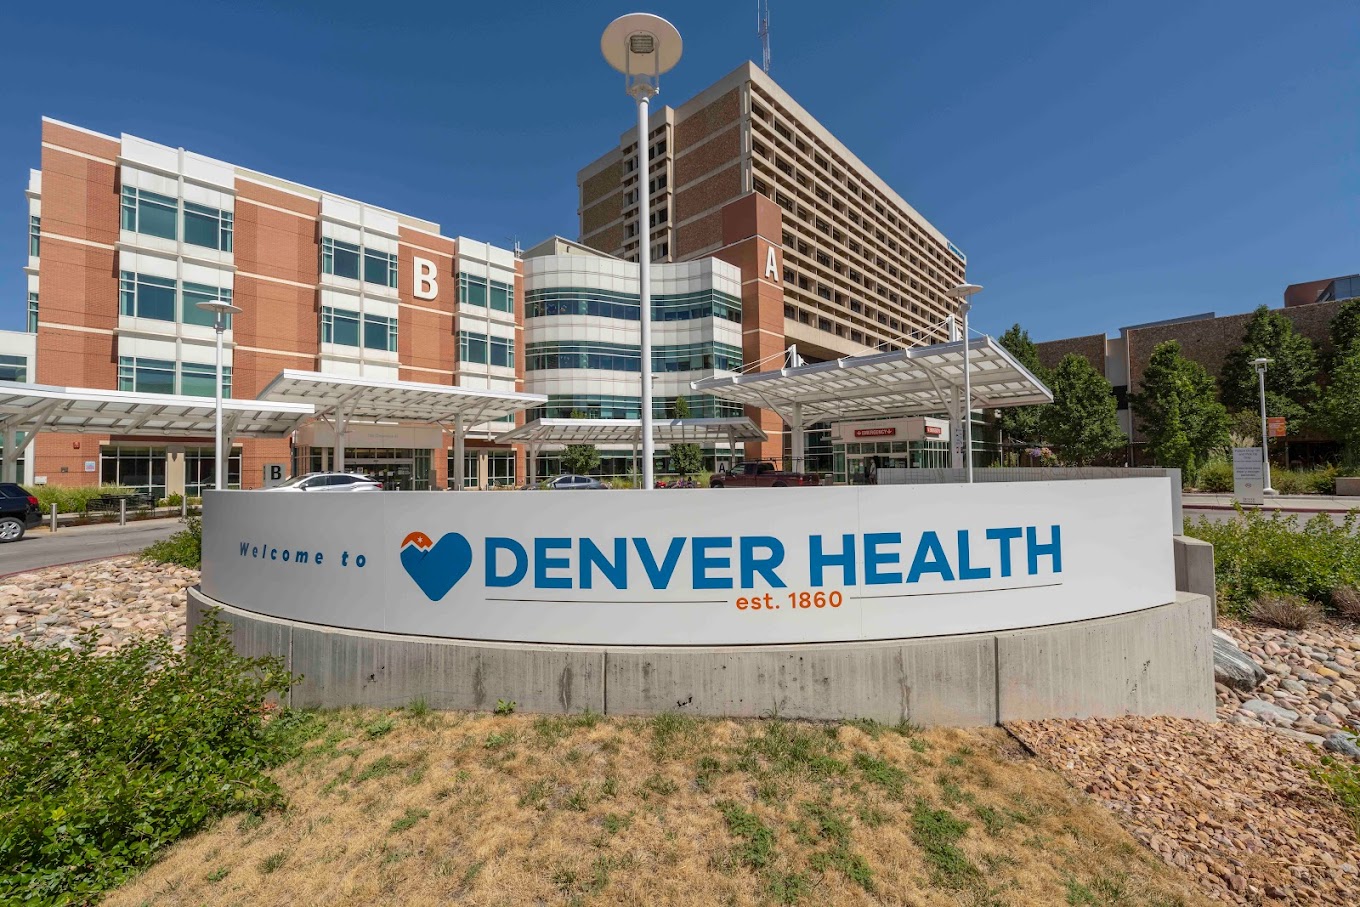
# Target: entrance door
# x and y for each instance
(395, 474)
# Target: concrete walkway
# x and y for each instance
(70, 544)
(1289, 503)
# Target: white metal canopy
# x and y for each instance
(342, 399)
(629, 431)
(33, 408)
(915, 381)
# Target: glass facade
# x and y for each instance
(614, 406)
(200, 472)
(192, 294)
(158, 376)
(143, 296)
(475, 347)
(207, 227)
(339, 258)
(344, 327)
(624, 306)
(380, 268)
(553, 354)
(500, 469)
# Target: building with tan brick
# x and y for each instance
(833, 260)
(128, 235)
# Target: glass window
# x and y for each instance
(380, 333)
(502, 352)
(34, 234)
(472, 347)
(141, 469)
(380, 268)
(594, 355)
(339, 326)
(502, 296)
(471, 290)
(192, 295)
(196, 380)
(146, 297)
(13, 368)
(199, 472)
(339, 258)
(209, 227)
(33, 313)
(146, 376)
(149, 213)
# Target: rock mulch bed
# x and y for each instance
(123, 599)
(1232, 805)
(1312, 685)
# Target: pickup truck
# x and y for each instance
(760, 475)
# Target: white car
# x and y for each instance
(328, 481)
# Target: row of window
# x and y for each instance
(34, 235)
(624, 306)
(558, 354)
(161, 298)
(616, 406)
(159, 215)
(500, 469)
(344, 259)
(163, 376)
(143, 469)
(474, 347)
(33, 313)
(479, 291)
(373, 332)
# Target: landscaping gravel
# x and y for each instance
(122, 599)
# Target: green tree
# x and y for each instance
(1291, 379)
(1020, 424)
(580, 459)
(687, 458)
(1083, 422)
(1338, 409)
(1344, 329)
(1178, 410)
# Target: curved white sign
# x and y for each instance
(711, 567)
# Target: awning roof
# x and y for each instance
(31, 408)
(913, 381)
(377, 400)
(629, 431)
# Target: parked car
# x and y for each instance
(19, 512)
(760, 475)
(573, 483)
(328, 481)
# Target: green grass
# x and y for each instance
(881, 772)
(756, 848)
(409, 819)
(937, 833)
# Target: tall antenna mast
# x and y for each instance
(763, 31)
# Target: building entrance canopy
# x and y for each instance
(32, 408)
(342, 399)
(916, 381)
(539, 432)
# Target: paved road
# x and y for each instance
(39, 548)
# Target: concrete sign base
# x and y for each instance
(1156, 661)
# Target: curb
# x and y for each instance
(1188, 505)
(83, 560)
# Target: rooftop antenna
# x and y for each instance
(763, 32)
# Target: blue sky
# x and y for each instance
(1101, 164)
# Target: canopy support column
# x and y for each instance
(731, 449)
(338, 464)
(459, 467)
(956, 404)
(12, 450)
(633, 465)
(796, 413)
(533, 465)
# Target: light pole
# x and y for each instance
(642, 47)
(961, 293)
(220, 309)
(1261, 364)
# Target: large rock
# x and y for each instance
(1233, 667)
(1269, 712)
(1343, 744)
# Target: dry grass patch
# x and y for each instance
(415, 807)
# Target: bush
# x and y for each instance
(1287, 612)
(1258, 554)
(1215, 476)
(1346, 601)
(1304, 481)
(107, 759)
(184, 547)
(72, 499)
(175, 500)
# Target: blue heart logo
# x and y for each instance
(436, 567)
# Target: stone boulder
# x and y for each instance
(1233, 667)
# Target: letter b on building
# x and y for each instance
(274, 474)
(427, 287)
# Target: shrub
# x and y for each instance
(1215, 476)
(174, 500)
(1258, 554)
(72, 499)
(184, 547)
(107, 759)
(1346, 601)
(1288, 612)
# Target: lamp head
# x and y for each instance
(1261, 362)
(218, 307)
(641, 46)
(963, 290)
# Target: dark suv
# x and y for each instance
(19, 512)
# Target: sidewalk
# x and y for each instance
(1289, 503)
(102, 528)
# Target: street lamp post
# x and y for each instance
(1261, 364)
(961, 293)
(220, 309)
(642, 47)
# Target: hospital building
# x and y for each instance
(767, 233)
